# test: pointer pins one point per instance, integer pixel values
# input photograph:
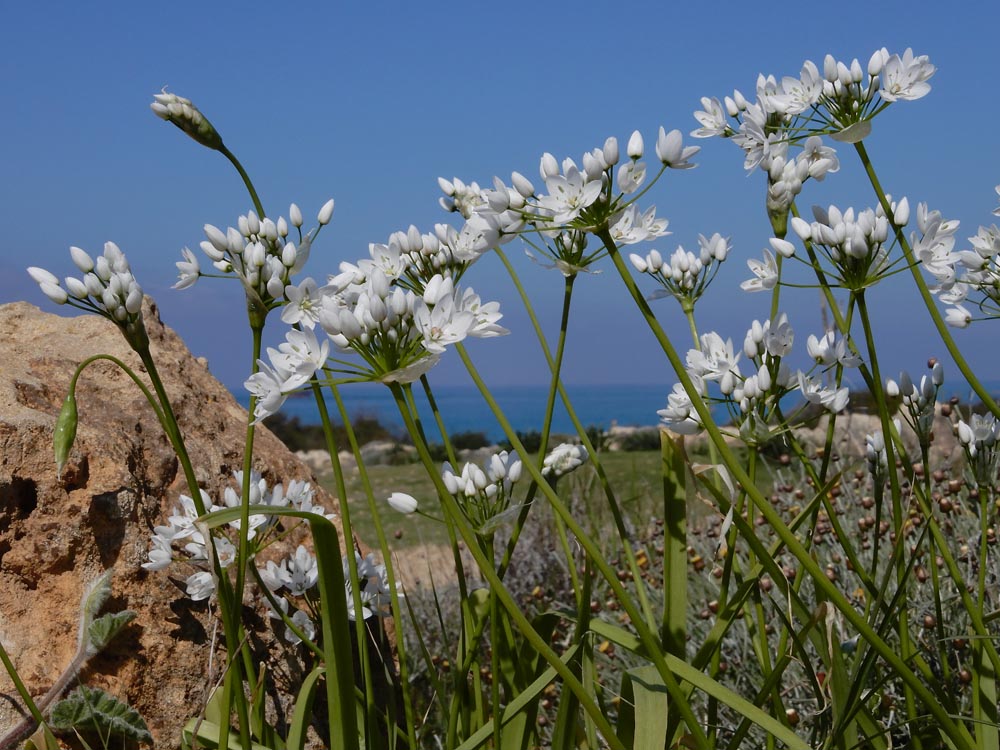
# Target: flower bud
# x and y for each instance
(182, 113)
(41, 276)
(548, 167)
(901, 214)
(638, 263)
(81, 259)
(522, 184)
(937, 374)
(610, 151)
(402, 503)
(635, 146)
(54, 292)
(295, 215)
(784, 248)
(325, 213)
(65, 432)
(802, 228)
(76, 288)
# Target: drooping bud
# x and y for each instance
(182, 113)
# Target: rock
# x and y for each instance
(57, 534)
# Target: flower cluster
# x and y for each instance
(853, 242)
(919, 401)
(373, 309)
(258, 252)
(182, 113)
(291, 585)
(484, 493)
(839, 100)
(978, 438)
(107, 288)
(959, 275)
(563, 459)
(577, 200)
(752, 398)
(685, 276)
(182, 540)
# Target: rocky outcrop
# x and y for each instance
(58, 533)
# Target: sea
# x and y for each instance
(463, 409)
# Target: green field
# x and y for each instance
(635, 476)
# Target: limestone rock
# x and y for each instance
(59, 533)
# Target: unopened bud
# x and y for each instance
(325, 213)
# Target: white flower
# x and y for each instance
(568, 195)
(298, 358)
(957, 316)
(712, 119)
(765, 273)
(304, 303)
(631, 175)
(905, 78)
(634, 227)
(200, 585)
(305, 623)
(671, 151)
(563, 459)
(303, 572)
(832, 399)
(188, 270)
(830, 350)
(266, 385)
(715, 361)
(160, 554)
(402, 503)
(680, 415)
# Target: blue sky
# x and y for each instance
(370, 104)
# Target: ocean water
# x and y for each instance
(464, 409)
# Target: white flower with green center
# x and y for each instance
(904, 78)
(568, 195)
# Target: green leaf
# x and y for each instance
(643, 695)
(89, 709)
(296, 739)
(336, 639)
(105, 628)
(205, 734)
(65, 433)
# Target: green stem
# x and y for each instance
(503, 596)
(954, 730)
(649, 639)
(925, 294)
(613, 505)
(246, 179)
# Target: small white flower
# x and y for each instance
(765, 273)
(671, 151)
(563, 459)
(402, 503)
(200, 586)
(957, 316)
(188, 270)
